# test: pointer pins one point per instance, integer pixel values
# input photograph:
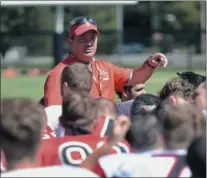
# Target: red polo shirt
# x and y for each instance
(107, 78)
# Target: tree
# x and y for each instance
(24, 25)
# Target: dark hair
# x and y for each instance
(119, 94)
(78, 109)
(78, 76)
(144, 103)
(144, 132)
(177, 86)
(22, 123)
(192, 77)
(41, 101)
(126, 89)
(196, 157)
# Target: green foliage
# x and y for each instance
(105, 15)
(187, 14)
(19, 20)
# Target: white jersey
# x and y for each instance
(53, 113)
(150, 164)
(54, 171)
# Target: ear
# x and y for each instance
(70, 41)
(65, 85)
(172, 99)
(64, 89)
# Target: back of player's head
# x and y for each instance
(196, 157)
(106, 107)
(192, 77)
(144, 103)
(21, 128)
(181, 124)
(144, 133)
(77, 76)
(177, 87)
(79, 110)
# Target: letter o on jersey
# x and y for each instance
(74, 153)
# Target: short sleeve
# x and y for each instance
(53, 113)
(121, 76)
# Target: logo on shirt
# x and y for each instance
(104, 75)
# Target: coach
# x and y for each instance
(107, 78)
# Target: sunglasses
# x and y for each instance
(82, 20)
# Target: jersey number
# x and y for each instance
(74, 153)
(178, 167)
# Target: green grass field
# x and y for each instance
(33, 87)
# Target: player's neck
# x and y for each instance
(23, 164)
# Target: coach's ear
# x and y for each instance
(65, 85)
(70, 41)
(172, 99)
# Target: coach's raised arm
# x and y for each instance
(107, 78)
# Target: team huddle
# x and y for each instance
(78, 130)
(93, 140)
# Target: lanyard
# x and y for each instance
(97, 81)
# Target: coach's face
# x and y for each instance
(84, 46)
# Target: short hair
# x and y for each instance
(181, 124)
(196, 157)
(41, 101)
(192, 77)
(22, 123)
(126, 88)
(78, 76)
(179, 87)
(105, 106)
(144, 103)
(144, 132)
(78, 108)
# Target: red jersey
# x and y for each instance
(48, 133)
(73, 150)
(103, 127)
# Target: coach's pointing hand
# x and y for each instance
(158, 59)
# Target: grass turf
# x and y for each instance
(33, 87)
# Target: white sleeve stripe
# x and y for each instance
(105, 126)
